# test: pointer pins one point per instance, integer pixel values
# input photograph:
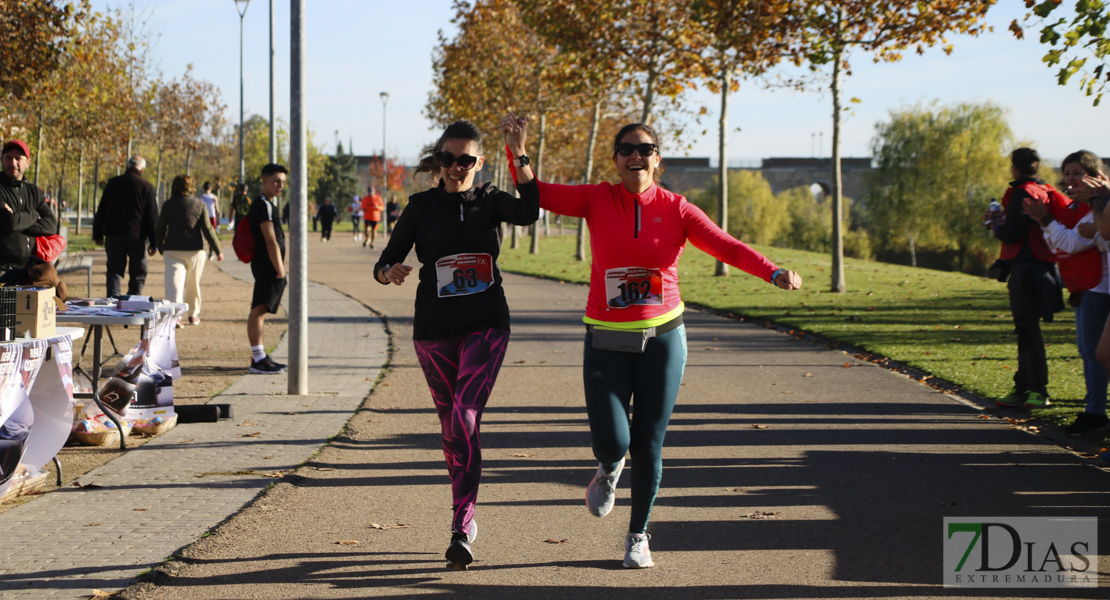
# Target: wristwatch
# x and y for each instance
(775, 275)
(385, 270)
(522, 160)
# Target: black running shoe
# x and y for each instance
(1086, 422)
(458, 553)
(266, 366)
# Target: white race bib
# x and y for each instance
(464, 274)
(628, 286)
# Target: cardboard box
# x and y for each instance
(34, 312)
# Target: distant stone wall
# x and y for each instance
(688, 174)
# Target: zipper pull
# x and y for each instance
(461, 216)
(636, 234)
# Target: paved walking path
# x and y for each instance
(152, 501)
(791, 471)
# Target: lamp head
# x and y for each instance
(384, 96)
(241, 6)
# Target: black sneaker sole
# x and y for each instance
(459, 556)
(254, 371)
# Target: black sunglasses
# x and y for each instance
(626, 149)
(446, 159)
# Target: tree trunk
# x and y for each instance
(38, 150)
(158, 181)
(595, 123)
(722, 169)
(838, 284)
(80, 188)
(913, 250)
(649, 96)
(189, 164)
(535, 248)
(96, 183)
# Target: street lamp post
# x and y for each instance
(241, 7)
(385, 182)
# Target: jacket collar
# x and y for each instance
(645, 197)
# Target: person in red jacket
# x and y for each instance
(1034, 285)
(635, 346)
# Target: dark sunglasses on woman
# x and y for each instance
(446, 159)
(625, 149)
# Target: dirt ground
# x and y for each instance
(213, 354)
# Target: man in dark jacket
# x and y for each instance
(24, 214)
(124, 225)
(1035, 289)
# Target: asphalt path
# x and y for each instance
(790, 471)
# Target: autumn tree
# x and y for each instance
(833, 28)
(734, 39)
(394, 174)
(338, 180)
(35, 32)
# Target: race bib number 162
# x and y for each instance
(629, 286)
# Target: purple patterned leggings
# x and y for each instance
(461, 372)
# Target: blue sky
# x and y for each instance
(358, 48)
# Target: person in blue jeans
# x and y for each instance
(1082, 171)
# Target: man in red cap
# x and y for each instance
(24, 214)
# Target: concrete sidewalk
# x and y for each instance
(791, 471)
(149, 502)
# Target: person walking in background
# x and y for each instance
(212, 203)
(356, 217)
(1083, 268)
(124, 225)
(392, 211)
(179, 235)
(267, 266)
(240, 203)
(24, 213)
(461, 319)
(372, 207)
(327, 214)
(1034, 286)
(635, 347)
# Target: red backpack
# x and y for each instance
(243, 240)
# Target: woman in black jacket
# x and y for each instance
(461, 320)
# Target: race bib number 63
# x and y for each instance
(464, 274)
(629, 286)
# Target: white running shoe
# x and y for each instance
(602, 491)
(637, 555)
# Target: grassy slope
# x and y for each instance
(954, 326)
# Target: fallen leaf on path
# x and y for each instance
(394, 526)
(187, 441)
(100, 594)
(324, 468)
(247, 423)
(522, 455)
(809, 374)
(759, 514)
(85, 486)
(559, 351)
(92, 524)
(276, 474)
(555, 541)
(519, 362)
(847, 365)
(255, 434)
(711, 348)
(139, 509)
(347, 542)
(293, 412)
(758, 426)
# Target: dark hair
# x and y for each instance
(182, 186)
(459, 130)
(634, 127)
(1090, 162)
(1026, 161)
(207, 186)
(272, 168)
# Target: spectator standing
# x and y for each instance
(179, 235)
(327, 214)
(24, 214)
(124, 225)
(1034, 286)
(267, 266)
(372, 207)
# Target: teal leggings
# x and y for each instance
(618, 425)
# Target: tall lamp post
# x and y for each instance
(241, 7)
(385, 182)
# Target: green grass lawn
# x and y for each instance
(954, 326)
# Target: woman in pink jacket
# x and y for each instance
(635, 346)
